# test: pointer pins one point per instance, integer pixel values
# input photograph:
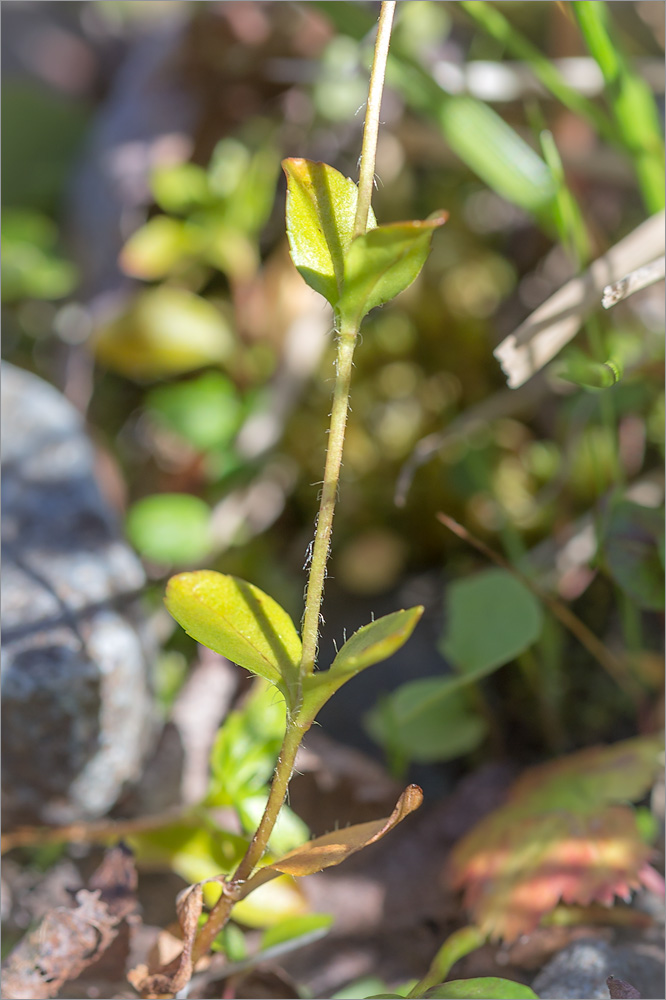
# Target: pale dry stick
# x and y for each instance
(643, 277)
(315, 588)
(611, 664)
(91, 833)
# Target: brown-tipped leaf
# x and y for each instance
(333, 848)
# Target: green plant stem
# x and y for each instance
(296, 727)
(221, 912)
(315, 589)
(344, 360)
(366, 178)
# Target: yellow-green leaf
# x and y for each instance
(321, 208)
(239, 621)
(370, 644)
(383, 263)
(165, 331)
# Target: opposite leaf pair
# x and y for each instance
(354, 274)
(241, 622)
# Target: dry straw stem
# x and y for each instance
(545, 332)
(635, 281)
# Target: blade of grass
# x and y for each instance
(630, 98)
(495, 24)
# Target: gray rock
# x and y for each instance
(77, 714)
(579, 971)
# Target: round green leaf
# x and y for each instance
(239, 621)
(170, 528)
(490, 618)
(425, 721)
(206, 410)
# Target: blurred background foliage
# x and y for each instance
(146, 274)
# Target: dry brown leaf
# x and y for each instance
(564, 833)
(333, 848)
(67, 941)
(173, 977)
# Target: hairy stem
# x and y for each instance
(366, 177)
(315, 590)
(220, 913)
(310, 633)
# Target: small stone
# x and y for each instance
(77, 715)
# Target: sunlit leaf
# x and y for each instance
(295, 927)
(333, 848)
(170, 528)
(155, 249)
(189, 849)
(271, 904)
(165, 331)
(239, 621)
(565, 833)
(321, 209)
(633, 542)
(369, 645)
(383, 263)
(494, 151)
(490, 618)
(484, 988)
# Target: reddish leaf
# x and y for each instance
(562, 834)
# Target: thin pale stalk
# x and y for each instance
(366, 178)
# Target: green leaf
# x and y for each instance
(383, 263)
(170, 528)
(178, 188)
(576, 367)
(369, 645)
(190, 850)
(289, 831)
(426, 720)
(634, 108)
(485, 988)
(456, 946)
(321, 209)
(494, 151)
(30, 266)
(206, 410)
(246, 747)
(633, 542)
(295, 927)
(154, 250)
(491, 617)
(239, 621)
(165, 331)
